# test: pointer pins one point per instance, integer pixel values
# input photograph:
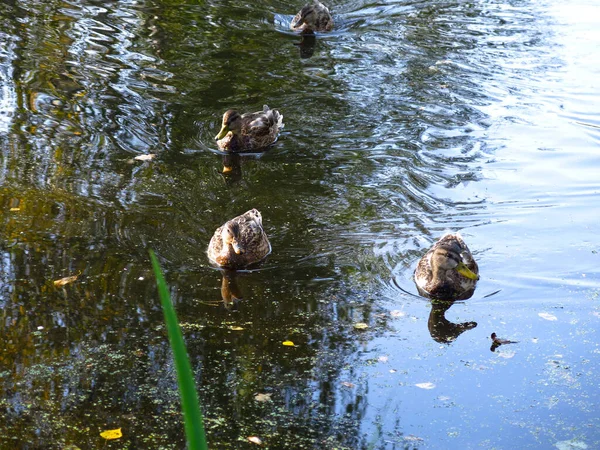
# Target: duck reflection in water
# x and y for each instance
(232, 168)
(230, 291)
(446, 273)
(307, 45)
(440, 328)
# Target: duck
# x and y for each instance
(448, 270)
(249, 131)
(497, 342)
(239, 242)
(313, 17)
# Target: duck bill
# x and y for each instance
(222, 133)
(298, 25)
(466, 272)
(236, 248)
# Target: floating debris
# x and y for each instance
(263, 397)
(66, 280)
(148, 157)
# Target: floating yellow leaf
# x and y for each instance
(111, 434)
(65, 280)
(148, 157)
(255, 440)
(361, 326)
(288, 343)
(15, 209)
(236, 328)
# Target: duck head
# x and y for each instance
(232, 121)
(448, 257)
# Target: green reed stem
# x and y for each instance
(194, 428)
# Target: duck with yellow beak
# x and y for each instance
(447, 271)
(250, 131)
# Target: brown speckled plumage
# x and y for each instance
(313, 18)
(446, 284)
(250, 131)
(250, 239)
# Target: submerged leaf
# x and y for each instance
(111, 434)
(347, 384)
(397, 313)
(65, 280)
(288, 343)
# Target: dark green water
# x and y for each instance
(409, 120)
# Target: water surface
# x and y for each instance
(409, 120)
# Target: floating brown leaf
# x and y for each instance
(65, 280)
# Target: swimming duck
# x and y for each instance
(239, 242)
(497, 342)
(447, 271)
(312, 18)
(250, 131)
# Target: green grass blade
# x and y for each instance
(194, 428)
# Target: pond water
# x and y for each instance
(410, 119)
